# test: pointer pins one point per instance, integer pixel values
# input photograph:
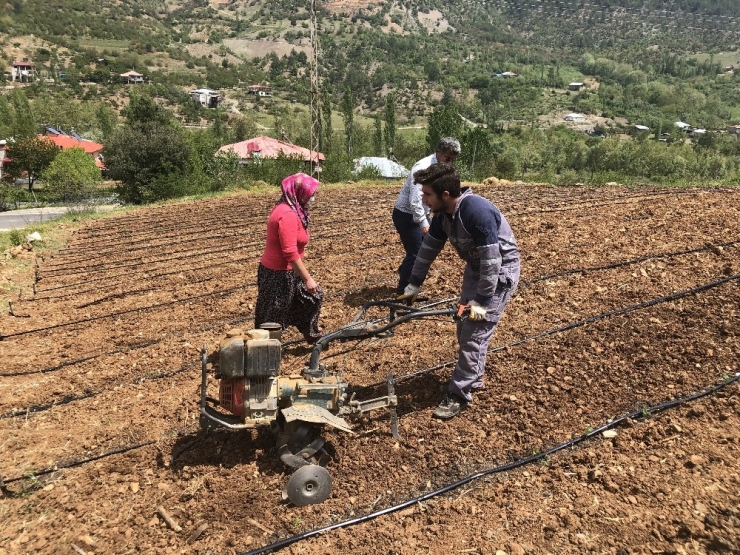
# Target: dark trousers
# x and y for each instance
(282, 298)
(411, 238)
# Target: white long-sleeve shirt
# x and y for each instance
(409, 199)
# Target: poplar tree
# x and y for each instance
(378, 137)
(348, 106)
(390, 121)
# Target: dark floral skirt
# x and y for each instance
(282, 298)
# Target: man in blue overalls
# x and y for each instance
(483, 238)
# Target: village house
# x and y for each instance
(22, 72)
(575, 86)
(2, 156)
(132, 77)
(733, 129)
(267, 147)
(575, 117)
(259, 90)
(206, 97)
(73, 140)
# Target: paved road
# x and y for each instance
(17, 219)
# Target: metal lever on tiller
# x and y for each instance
(390, 401)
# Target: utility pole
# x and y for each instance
(315, 96)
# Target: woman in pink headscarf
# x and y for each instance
(287, 293)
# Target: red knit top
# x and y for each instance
(286, 238)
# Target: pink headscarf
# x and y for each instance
(297, 191)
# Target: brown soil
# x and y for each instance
(106, 352)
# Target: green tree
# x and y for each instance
(148, 161)
(326, 136)
(72, 175)
(6, 118)
(378, 137)
(24, 123)
(143, 111)
(444, 121)
(217, 129)
(242, 129)
(107, 120)
(31, 156)
(477, 152)
(348, 106)
(390, 121)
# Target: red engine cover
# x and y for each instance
(231, 395)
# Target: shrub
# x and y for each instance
(15, 237)
(72, 176)
(11, 196)
(507, 166)
(273, 171)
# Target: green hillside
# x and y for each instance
(495, 72)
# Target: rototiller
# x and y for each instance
(252, 393)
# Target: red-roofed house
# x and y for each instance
(267, 147)
(64, 142)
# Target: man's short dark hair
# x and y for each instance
(440, 177)
(449, 144)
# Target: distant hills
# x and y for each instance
(420, 48)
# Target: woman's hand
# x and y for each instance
(300, 268)
(311, 285)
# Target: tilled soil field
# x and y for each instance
(629, 299)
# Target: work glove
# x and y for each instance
(477, 312)
(410, 293)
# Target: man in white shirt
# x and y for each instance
(410, 215)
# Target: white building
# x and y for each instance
(22, 72)
(206, 97)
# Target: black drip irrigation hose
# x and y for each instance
(40, 408)
(570, 326)
(623, 310)
(567, 206)
(495, 470)
(35, 409)
(645, 258)
(209, 327)
(592, 203)
(567, 272)
(137, 261)
(560, 329)
(115, 278)
(79, 360)
(70, 464)
(121, 312)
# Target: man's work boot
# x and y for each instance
(450, 406)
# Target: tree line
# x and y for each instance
(151, 156)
